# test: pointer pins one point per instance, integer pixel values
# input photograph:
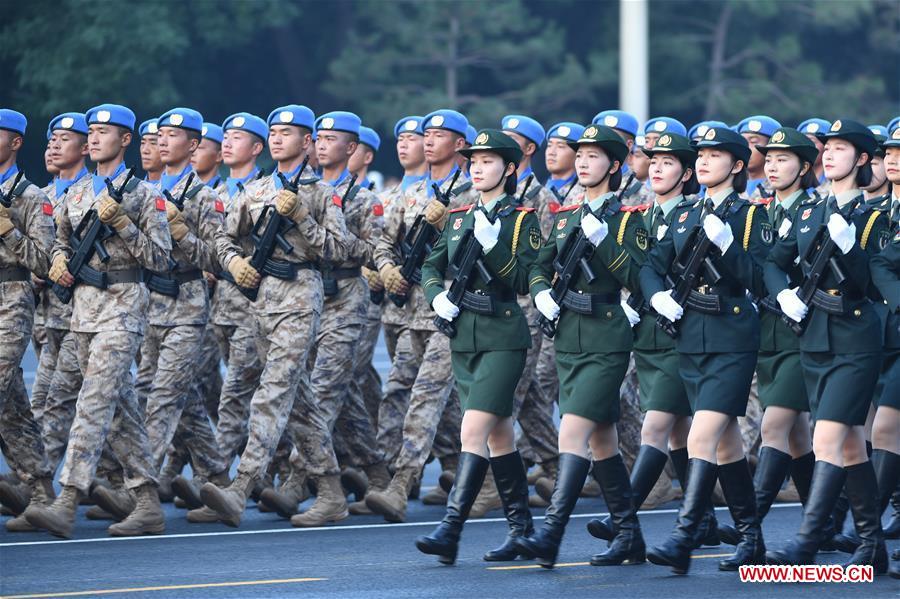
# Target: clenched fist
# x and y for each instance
(244, 274)
(177, 226)
(393, 280)
(6, 224)
(59, 271)
(436, 214)
(111, 213)
(288, 204)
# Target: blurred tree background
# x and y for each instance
(552, 59)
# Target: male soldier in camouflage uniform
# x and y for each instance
(38, 334)
(26, 233)
(150, 162)
(289, 308)
(445, 132)
(108, 324)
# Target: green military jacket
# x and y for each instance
(889, 316)
(615, 263)
(509, 261)
(860, 329)
(736, 328)
(648, 336)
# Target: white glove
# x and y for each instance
(545, 305)
(633, 317)
(485, 232)
(594, 229)
(785, 228)
(664, 305)
(843, 235)
(791, 305)
(718, 232)
(661, 232)
(443, 307)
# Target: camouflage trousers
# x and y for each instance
(173, 405)
(545, 372)
(107, 411)
(631, 419)
(751, 422)
(396, 392)
(447, 440)
(208, 372)
(285, 343)
(55, 391)
(332, 395)
(22, 444)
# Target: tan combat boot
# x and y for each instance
(173, 468)
(286, 500)
(354, 483)
(98, 513)
(57, 518)
(391, 503)
(42, 493)
(379, 479)
(15, 495)
(488, 499)
(147, 517)
(202, 515)
(229, 502)
(119, 501)
(438, 495)
(330, 504)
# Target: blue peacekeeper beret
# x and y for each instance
(895, 122)
(471, 134)
(447, 119)
(111, 114)
(879, 130)
(70, 121)
(664, 124)
(212, 132)
(700, 129)
(292, 114)
(149, 127)
(369, 137)
(814, 126)
(339, 120)
(13, 121)
(408, 124)
(617, 119)
(566, 130)
(764, 125)
(525, 126)
(247, 122)
(183, 118)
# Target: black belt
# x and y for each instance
(707, 298)
(167, 283)
(14, 273)
(833, 301)
(102, 279)
(342, 273)
(482, 302)
(587, 303)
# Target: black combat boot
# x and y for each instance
(512, 485)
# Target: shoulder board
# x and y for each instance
(461, 188)
(21, 187)
(352, 193)
(738, 205)
(762, 201)
(132, 185)
(811, 200)
(569, 207)
(308, 181)
(687, 203)
(462, 208)
(533, 192)
(642, 207)
(194, 191)
(524, 209)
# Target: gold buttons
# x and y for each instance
(857, 313)
(736, 310)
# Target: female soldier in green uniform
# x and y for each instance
(840, 348)
(667, 411)
(717, 343)
(593, 340)
(786, 440)
(491, 334)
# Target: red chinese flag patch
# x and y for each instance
(220, 207)
(160, 204)
(336, 200)
(47, 208)
(378, 210)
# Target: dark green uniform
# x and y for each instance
(885, 268)
(488, 351)
(655, 358)
(717, 350)
(592, 349)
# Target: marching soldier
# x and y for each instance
(150, 161)
(626, 125)
(812, 128)
(207, 158)
(757, 130)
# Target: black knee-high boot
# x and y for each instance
(827, 482)
(887, 471)
(512, 486)
(544, 544)
(675, 552)
(444, 540)
(743, 503)
(708, 533)
(801, 474)
(648, 465)
(771, 470)
(862, 491)
(627, 547)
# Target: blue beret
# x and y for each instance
(13, 121)
(247, 122)
(112, 114)
(814, 126)
(764, 125)
(408, 124)
(70, 121)
(292, 114)
(446, 119)
(182, 118)
(895, 122)
(664, 124)
(617, 119)
(471, 134)
(700, 129)
(879, 130)
(212, 132)
(339, 120)
(525, 126)
(150, 126)
(369, 137)
(566, 130)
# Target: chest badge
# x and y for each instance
(806, 214)
(561, 224)
(457, 224)
(682, 217)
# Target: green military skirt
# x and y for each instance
(780, 380)
(887, 392)
(589, 384)
(486, 380)
(660, 382)
(840, 386)
(718, 382)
